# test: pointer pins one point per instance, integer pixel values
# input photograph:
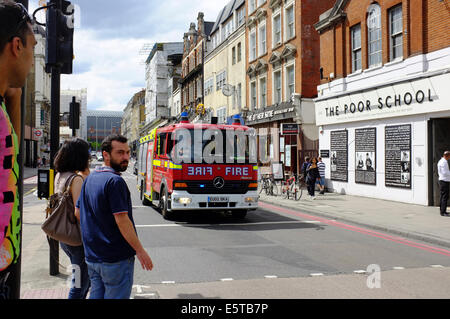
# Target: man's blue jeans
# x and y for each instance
(111, 280)
(80, 277)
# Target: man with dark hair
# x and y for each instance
(444, 182)
(16, 57)
(108, 231)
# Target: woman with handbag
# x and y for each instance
(312, 174)
(72, 167)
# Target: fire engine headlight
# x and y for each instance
(182, 200)
(251, 199)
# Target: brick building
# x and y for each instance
(383, 105)
(282, 53)
(196, 44)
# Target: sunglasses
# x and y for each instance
(25, 18)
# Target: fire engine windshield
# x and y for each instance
(213, 146)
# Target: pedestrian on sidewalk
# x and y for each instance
(444, 182)
(73, 160)
(107, 227)
(321, 180)
(312, 174)
(304, 167)
(17, 44)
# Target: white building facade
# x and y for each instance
(80, 97)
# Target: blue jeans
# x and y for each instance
(80, 277)
(111, 280)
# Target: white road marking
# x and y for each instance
(226, 279)
(360, 271)
(437, 266)
(168, 282)
(398, 268)
(270, 277)
(237, 224)
(316, 274)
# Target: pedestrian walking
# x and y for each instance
(17, 44)
(321, 180)
(72, 163)
(312, 174)
(305, 166)
(107, 227)
(44, 161)
(444, 182)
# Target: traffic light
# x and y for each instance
(59, 33)
(74, 115)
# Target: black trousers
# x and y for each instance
(311, 188)
(444, 186)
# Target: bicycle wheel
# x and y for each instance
(284, 192)
(262, 187)
(297, 193)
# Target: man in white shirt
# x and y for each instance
(444, 181)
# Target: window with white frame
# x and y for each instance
(276, 30)
(374, 35)
(290, 21)
(396, 33)
(277, 86)
(209, 86)
(290, 80)
(221, 79)
(263, 92)
(239, 96)
(356, 47)
(251, 6)
(253, 95)
(262, 45)
(240, 17)
(253, 45)
(222, 115)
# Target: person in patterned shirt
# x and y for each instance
(17, 44)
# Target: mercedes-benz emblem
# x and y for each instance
(218, 182)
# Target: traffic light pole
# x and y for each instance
(54, 146)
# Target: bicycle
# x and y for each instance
(268, 185)
(291, 189)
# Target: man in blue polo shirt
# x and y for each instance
(108, 231)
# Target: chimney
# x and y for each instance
(201, 24)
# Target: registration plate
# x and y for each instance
(218, 199)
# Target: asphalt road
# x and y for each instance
(212, 247)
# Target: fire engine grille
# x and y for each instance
(230, 187)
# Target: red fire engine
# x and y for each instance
(188, 166)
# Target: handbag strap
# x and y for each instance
(68, 186)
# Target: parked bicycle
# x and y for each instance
(293, 188)
(268, 185)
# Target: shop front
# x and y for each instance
(281, 138)
(385, 141)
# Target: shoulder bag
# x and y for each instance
(61, 223)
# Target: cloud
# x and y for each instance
(108, 38)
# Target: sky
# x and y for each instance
(109, 34)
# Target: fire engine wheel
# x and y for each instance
(164, 205)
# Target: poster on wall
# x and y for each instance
(398, 156)
(365, 156)
(339, 156)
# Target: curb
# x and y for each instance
(406, 234)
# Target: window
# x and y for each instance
(221, 80)
(251, 6)
(290, 81)
(239, 96)
(262, 92)
(396, 32)
(240, 17)
(239, 52)
(253, 95)
(209, 86)
(262, 48)
(277, 86)
(276, 30)
(252, 45)
(356, 47)
(222, 115)
(162, 144)
(233, 55)
(260, 2)
(374, 34)
(290, 22)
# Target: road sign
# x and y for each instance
(37, 133)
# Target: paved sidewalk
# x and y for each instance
(407, 220)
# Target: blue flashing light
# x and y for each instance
(184, 114)
(202, 186)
